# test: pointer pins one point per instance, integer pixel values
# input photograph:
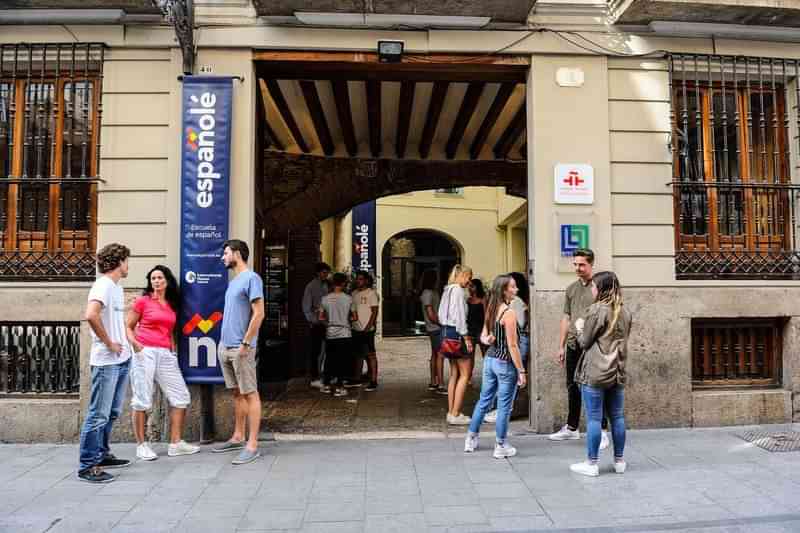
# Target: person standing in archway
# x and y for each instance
(429, 298)
(315, 290)
(365, 305)
(456, 343)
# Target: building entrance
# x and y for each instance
(335, 130)
(406, 257)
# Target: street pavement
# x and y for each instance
(677, 480)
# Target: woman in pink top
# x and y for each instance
(151, 332)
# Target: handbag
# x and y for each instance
(453, 348)
(598, 368)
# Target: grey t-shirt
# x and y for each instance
(244, 289)
(577, 300)
(337, 307)
(430, 297)
(521, 310)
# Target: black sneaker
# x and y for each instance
(112, 462)
(432, 387)
(95, 474)
(371, 387)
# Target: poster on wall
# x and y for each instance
(205, 178)
(364, 238)
(574, 184)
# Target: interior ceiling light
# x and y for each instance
(733, 31)
(377, 20)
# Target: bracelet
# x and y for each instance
(522, 371)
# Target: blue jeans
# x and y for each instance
(593, 400)
(499, 378)
(105, 405)
(524, 346)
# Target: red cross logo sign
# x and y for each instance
(573, 179)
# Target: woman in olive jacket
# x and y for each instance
(605, 328)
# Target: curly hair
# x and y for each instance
(111, 255)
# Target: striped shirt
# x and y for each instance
(500, 349)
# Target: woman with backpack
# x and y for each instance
(503, 370)
(603, 337)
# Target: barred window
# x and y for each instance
(741, 352)
(734, 198)
(49, 159)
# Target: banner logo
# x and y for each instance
(203, 324)
(191, 139)
(573, 236)
(205, 178)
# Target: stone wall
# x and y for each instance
(659, 392)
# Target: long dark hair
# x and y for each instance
(496, 299)
(609, 292)
(477, 286)
(173, 292)
(524, 291)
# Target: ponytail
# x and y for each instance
(456, 273)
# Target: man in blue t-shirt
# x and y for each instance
(241, 319)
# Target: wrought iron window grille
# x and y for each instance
(730, 353)
(39, 357)
(50, 113)
(734, 123)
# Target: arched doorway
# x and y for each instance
(405, 257)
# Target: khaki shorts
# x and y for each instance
(239, 371)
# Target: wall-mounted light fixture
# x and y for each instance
(390, 51)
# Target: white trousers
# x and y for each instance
(161, 365)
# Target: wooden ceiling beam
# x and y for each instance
(283, 108)
(499, 103)
(341, 95)
(432, 120)
(272, 138)
(511, 134)
(311, 97)
(374, 117)
(465, 112)
(405, 108)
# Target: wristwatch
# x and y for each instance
(245, 343)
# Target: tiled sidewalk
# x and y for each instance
(678, 480)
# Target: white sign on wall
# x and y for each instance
(574, 184)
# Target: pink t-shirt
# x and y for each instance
(155, 323)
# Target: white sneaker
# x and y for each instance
(565, 434)
(316, 384)
(145, 452)
(491, 417)
(501, 451)
(604, 441)
(460, 420)
(620, 466)
(182, 448)
(470, 443)
(340, 392)
(325, 389)
(586, 468)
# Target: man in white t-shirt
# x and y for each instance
(109, 359)
(365, 305)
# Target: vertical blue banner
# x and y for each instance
(205, 178)
(364, 237)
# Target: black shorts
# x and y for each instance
(363, 342)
